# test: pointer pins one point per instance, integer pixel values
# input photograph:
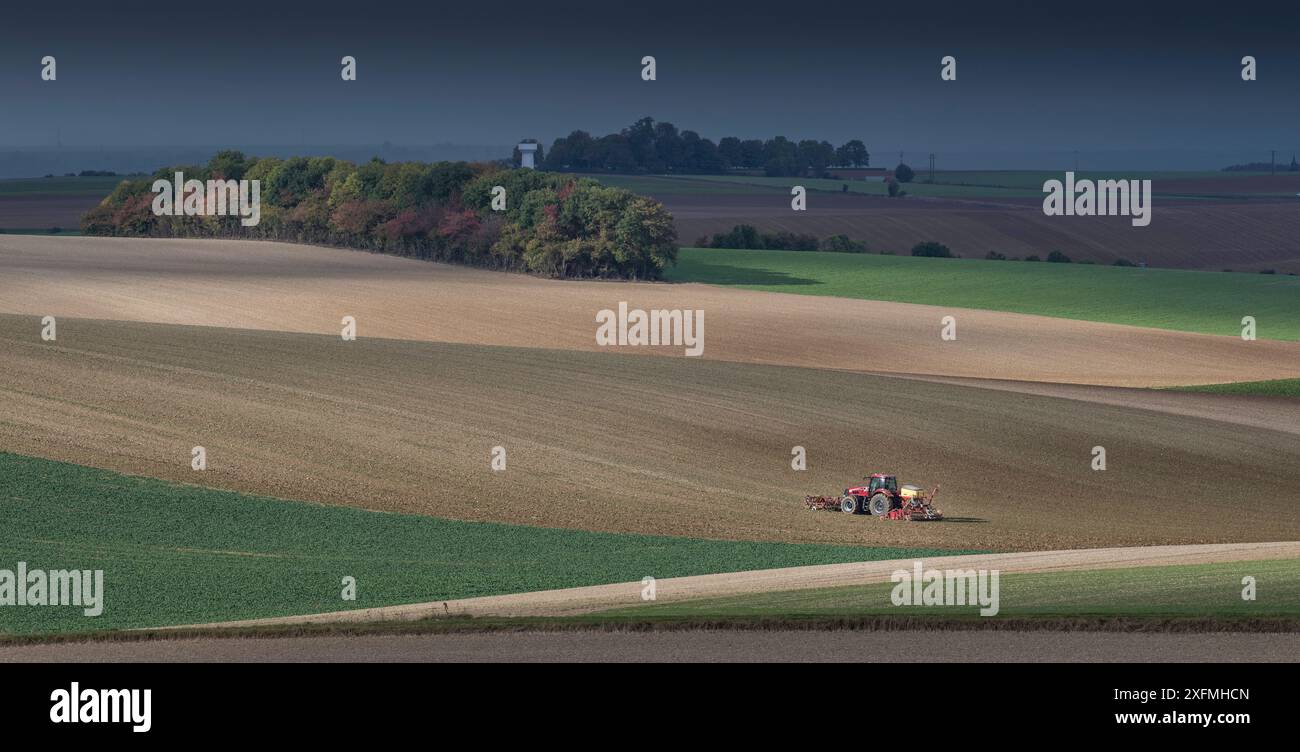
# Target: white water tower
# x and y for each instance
(527, 154)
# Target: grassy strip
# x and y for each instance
(1184, 591)
(175, 554)
(1274, 388)
(1193, 301)
(1187, 599)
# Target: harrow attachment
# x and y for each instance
(822, 502)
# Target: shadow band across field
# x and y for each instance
(746, 276)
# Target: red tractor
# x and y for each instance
(882, 497)
(878, 497)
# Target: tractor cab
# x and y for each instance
(880, 481)
(876, 483)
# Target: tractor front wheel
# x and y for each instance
(849, 505)
(880, 504)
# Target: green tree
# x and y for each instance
(931, 249)
(228, 165)
(853, 154)
(731, 153)
(753, 154)
(843, 244)
(669, 149)
(699, 155)
(573, 152)
(781, 158)
(740, 236)
(815, 157)
(294, 179)
(641, 140)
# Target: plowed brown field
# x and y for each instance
(44, 212)
(276, 286)
(452, 362)
(1183, 234)
(613, 442)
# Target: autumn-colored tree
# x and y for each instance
(552, 224)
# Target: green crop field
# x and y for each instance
(175, 554)
(1274, 388)
(1213, 590)
(59, 186)
(1193, 301)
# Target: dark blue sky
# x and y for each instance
(1032, 76)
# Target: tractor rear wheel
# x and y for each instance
(880, 504)
(849, 505)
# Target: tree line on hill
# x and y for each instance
(658, 148)
(1264, 166)
(554, 225)
(933, 249)
(748, 237)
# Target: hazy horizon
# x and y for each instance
(30, 162)
(1035, 81)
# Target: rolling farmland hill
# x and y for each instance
(164, 345)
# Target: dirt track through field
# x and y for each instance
(623, 595)
(620, 443)
(275, 286)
